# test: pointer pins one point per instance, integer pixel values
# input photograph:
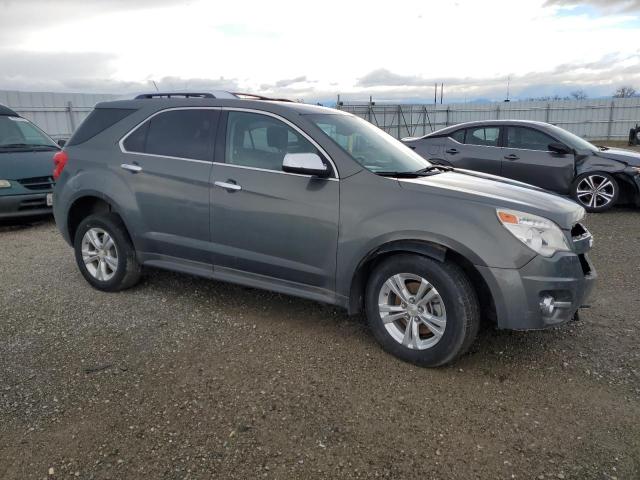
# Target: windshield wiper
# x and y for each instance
(423, 172)
(28, 145)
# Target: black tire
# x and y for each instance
(128, 271)
(459, 298)
(584, 181)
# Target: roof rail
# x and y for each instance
(252, 96)
(174, 94)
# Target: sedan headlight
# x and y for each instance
(5, 184)
(539, 234)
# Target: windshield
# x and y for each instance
(17, 133)
(571, 139)
(372, 148)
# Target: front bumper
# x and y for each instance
(567, 277)
(14, 206)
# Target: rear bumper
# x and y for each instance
(566, 277)
(15, 206)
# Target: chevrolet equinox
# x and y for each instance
(317, 203)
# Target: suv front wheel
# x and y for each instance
(104, 253)
(423, 311)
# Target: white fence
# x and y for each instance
(58, 114)
(594, 119)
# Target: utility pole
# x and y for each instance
(441, 92)
(435, 93)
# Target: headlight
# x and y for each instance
(539, 234)
(5, 184)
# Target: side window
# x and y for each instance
(458, 136)
(528, 138)
(261, 141)
(176, 133)
(486, 136)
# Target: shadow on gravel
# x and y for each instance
(15, 224)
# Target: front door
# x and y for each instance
(527, 158)
(167, 163)
(265, 222)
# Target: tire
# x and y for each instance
(126, 270)
(454, 300)
(595, 191)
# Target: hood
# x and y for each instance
(500, 192)
(629, 157)
(16, 165)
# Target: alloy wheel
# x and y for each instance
(595, 191)
(99, 254)
(412, 311)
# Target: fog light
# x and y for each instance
(547, 305)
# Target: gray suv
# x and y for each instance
(317, 203)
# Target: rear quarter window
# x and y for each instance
(97, 121)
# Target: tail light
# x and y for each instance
(59, 160)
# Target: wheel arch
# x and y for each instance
(429, 249)
(90, 203)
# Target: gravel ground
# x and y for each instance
(185, 378)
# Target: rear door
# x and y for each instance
(527, 158)
(268, 224)
(475, 148)
(167, 164)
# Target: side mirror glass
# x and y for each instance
(305, 164)
(559, 148)
(62, 142)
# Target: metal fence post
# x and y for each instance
(446, 118)
(610, 125)
(399, 115)
(548, 113)
(72, 122)
(498, 112)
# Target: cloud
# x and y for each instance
(383, 77)
(609, 5)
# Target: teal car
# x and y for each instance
(26, 166)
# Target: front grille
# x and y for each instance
(37, 183)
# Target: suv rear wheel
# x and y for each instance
(104, 254)
(422, 311)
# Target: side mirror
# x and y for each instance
(305, 164)
(559, 148)
(62, 142)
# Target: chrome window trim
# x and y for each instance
(335, 175)
(330, 179)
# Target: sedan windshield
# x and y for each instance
(571, 139)
(371, 147)
(17, 133)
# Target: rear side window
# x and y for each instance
(486, 136)
(458, 136)
(97, 121)
(176, 133)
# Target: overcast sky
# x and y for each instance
(315, 50)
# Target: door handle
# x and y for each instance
(452, 151)
(131, 168)
(512, 156)
(231, 187)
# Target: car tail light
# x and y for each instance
(59, 160)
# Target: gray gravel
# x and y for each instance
(185, 378)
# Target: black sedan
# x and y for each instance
(540, 154)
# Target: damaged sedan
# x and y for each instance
(540, 154)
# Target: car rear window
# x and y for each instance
(97, 121)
